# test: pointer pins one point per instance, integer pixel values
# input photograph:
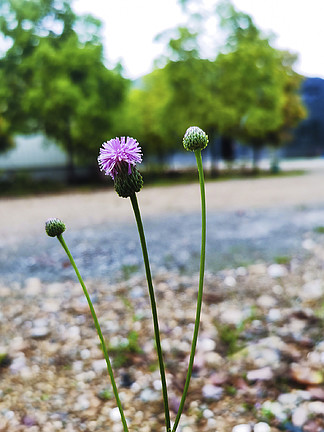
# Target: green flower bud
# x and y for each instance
(195, 139)
(127, 184)
(54, 227)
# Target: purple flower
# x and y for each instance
(118, 152)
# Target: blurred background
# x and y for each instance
(74, 74)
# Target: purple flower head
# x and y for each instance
(118, 152)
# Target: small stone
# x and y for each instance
(257, 269)
(187, 429)
(174, 404)
(312, 426)
(312, 290)
(276, 409)
(85, 354)
(126, 380)
(219, 378)
(18, 363)
(39, 332)
(28, 421)
(305, 375)
(230, 281)
(265, 301)
(241, 271)
(148, 395)
(232, 315)
(263, 374)
(308, 244)
(82, 403)
(288, 400)
(114, 415)
(277, 271)
(261, 427)
(262, 354)
(209, 391)
(316, 407)
(207, 413)
(213, 359)
(244, 427)
(33, 286)
(157, 384)
(274, 315)
(206, 345)
(299, 416)
(316, 392)
(99, 366)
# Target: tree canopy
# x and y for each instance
(55, 79)
(248, 92)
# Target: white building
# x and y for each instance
(37, 155)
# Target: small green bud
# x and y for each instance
(195, 139)
(126, 184)
(54, 227)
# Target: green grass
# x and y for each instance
(282, 259)
(319, 229)
(122, 353)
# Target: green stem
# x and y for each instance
(154, 309)
(96, 323)
(200, 289)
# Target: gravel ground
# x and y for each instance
(247, 220)
(260, 358)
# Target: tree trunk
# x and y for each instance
(255, 157)
(71, 173)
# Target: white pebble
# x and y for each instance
(230, 281)
(208, 413)
(277, 271)
(244, 427)
(114, 415)
(261, 427)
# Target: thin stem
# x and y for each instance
(200, 288)
(96, 323)
(154, 309)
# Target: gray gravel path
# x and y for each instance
(247, 221)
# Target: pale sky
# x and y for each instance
(131, 25)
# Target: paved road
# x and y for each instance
(247, 220)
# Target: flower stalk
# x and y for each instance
(140, 228)
(200, 288)
(195, 140)
(100, 335)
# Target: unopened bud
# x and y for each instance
(195, 139)
(54, 227)
(127, 184)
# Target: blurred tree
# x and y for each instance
(6, 141)
(57, 81)
(172, 98)
(144, 116)
(258, 88)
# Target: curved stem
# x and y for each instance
(154, 309)
(96, 323)
(200, 288)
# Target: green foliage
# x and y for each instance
(123, 351)
(282, 259)
(56, 81)
(319, 229)
(258, 89)
(5, 360)
(6, 141)
(105, 394)
(249, 92)
(231, 335)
